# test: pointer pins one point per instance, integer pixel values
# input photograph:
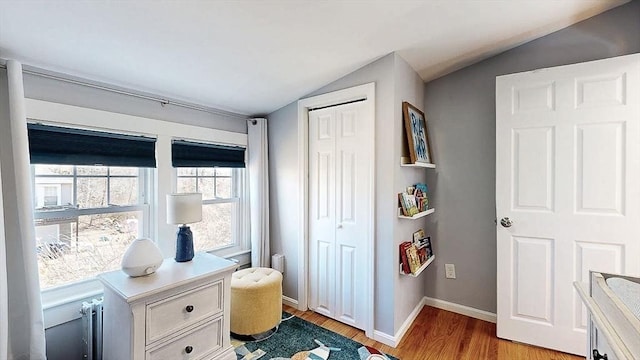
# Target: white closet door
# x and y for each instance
(322, 211)
(567, 193)
(338, 225)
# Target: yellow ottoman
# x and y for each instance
(256, 300)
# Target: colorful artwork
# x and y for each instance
(416, 126)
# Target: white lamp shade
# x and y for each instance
(184, 208)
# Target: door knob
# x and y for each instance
(506, 222)
(340, 226)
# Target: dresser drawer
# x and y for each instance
(196, 344)
(166, 316)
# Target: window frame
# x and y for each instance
(72, 211)
(239, 183)
(61, 304)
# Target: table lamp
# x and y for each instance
(183, 209)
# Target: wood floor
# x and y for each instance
(442, 335)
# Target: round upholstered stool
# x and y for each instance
(256, 300)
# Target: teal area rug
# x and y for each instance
(296, 335)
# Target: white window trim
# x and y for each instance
(240, 244)
(60, 304)
(237, 245)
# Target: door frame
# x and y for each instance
(366, 93)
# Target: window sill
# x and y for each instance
(229, 253)
(62, 304)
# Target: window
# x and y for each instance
(66, 154)
(47, 194)
(85, 218)
(51, 196)
(222, 192)
(86, 215)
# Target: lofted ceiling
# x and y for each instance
(253, 57)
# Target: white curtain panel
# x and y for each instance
(4, 295)
(258, 168)
(20, 298)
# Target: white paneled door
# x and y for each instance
(567, 193)
(339, 202)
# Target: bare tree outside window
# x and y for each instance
(220, 188)
(99, 212)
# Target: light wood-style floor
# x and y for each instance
(442, 335)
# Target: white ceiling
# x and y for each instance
(253, 57)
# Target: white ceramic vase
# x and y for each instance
(142, 258)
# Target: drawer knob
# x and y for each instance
(189, 308)
(188, 349)
(597, 356)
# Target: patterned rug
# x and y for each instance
(298, 339)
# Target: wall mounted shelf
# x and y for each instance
(406, 162)
(416, 216)
(421, 268)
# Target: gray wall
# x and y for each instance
(395, 82)
(460, 111)
(64, 342)
(382, 73)
(283, 192)
(409, 291)
(283, 168)
(42, 88)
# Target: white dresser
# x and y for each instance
(179, 312)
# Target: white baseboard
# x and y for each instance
(385, 338)
(394, 340)
(460, 309)
(289, 301)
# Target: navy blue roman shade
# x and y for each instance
(191, 154)
(67, 146)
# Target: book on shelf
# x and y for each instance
(404, 262)
(402, 205)
(414, 199)
(424, 246)
(408, 204)
(421, 187)
(412, 205)
(421, 196)
(422, 254)
(413, 258)
(414, 254)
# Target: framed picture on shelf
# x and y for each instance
(417, 136)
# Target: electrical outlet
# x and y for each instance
(450, 271)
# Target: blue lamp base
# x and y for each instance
(184, 244)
